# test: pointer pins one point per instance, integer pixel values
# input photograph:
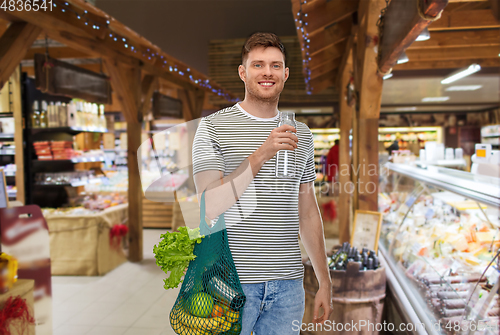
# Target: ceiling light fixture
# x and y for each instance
(435, 99)
(464, 88)
(403, 58)
(424, 35)
(461, 73)
(387, 76)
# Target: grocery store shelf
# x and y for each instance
(10, 173)
(2, 135)
(12, 194)
(75, 160)
(75, 183)
(7, 152)
(491, 135)
(69, 130)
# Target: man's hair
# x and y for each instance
(261, 39)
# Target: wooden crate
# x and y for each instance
(156, 214)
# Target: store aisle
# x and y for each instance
(129, 300)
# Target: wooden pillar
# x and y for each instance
(19, 123)
(370, 95)
(126, 82)
(345, 195)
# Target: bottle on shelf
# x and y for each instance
(35, 115)
(43, 115)
(285, 159)
(102, 118)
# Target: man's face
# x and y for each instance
(264, 73)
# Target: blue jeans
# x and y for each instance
(272, 307)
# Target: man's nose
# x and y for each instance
(267, 71)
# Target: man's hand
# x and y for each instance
(281, 138)
(324, 300)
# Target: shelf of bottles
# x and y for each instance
(75, 116)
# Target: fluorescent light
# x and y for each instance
(403, 58)
(461, 73)
(402, 109)
(313, 110)
(387, 76)
(424, 35)
(464, 88)
(435, 99)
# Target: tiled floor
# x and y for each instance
(129, 300)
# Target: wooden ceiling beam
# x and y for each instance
(329, 54)
(452, 39)
(326, 13)
(57, 28)
(14, 44)
(462, 20)
(402, 25)
(453, 53)
(323, 81)
(495, 9)
(448, 64)
(30, 70)
(325, 68)
(56, 52)
(330, 36)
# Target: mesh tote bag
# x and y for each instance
(211, 299)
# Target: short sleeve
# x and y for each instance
(207, 154)
(309, 173)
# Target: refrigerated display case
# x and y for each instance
(440, 240)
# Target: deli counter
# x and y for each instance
(440, 240)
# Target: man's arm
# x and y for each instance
(223, 192)
(311, 233)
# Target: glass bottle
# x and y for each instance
(285, 159)
(35, 115)
(43, 115)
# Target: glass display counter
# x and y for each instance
(440, 240)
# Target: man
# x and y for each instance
(234, 162)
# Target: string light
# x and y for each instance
(96, 25)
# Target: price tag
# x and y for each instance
(366, 229)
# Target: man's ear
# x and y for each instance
(287, 73)
(242, 73)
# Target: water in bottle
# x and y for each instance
(285, 159)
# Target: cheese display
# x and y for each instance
(447, 247)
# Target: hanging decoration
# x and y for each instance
(15, 309)
(116, 233)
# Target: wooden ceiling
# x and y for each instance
(467, 32)
(225, 57)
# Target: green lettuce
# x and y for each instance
(174, 252)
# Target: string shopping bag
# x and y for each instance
(211, 299)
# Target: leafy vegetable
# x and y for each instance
(174, 252)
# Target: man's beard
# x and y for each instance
(271, 99)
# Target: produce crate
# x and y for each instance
(156, 214)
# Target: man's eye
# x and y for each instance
(257, 65)
(277, 66)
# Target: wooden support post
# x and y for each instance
(148, 87)
(344, 172)
(192, 103)
(14, 44)
(126, 82)
(370, 96)
(19, 123)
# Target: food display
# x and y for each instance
(444, 244)
(88, 204)
(367, 259)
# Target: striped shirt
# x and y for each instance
(263, 226)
